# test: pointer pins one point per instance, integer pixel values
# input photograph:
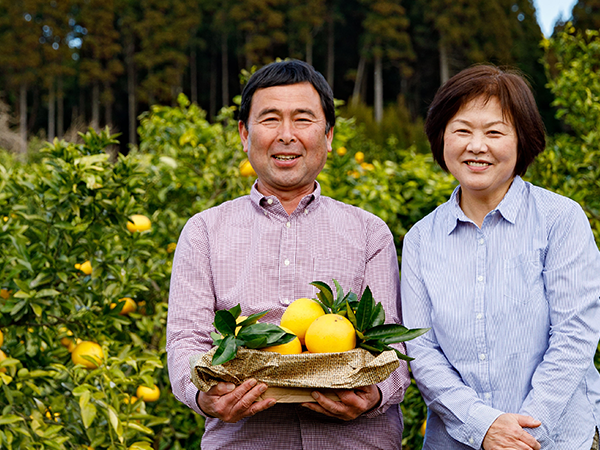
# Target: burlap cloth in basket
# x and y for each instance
(346, 370)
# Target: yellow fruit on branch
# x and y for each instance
(148, 394)
(90, 349)
(5, 293)
(299, 315)
(86, 267)
(330, 333)
(138, 222)
(1, 338)
(291, 348)
(246, 169)
(423, 427)
(359, 157)
(2, 358)
(341, 151)
(128, 307)
(130, 399)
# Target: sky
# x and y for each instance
(548, 11)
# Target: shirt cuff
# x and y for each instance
(478, 425)
(191, 395)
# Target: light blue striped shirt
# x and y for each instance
(514, 309)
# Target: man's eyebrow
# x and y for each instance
(266, 111)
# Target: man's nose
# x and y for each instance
(286, 132)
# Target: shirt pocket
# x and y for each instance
(349, 272)
(523, 277)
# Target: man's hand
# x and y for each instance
(231, 404)
(353, 402)
(507, 433)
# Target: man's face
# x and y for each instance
(286, 140)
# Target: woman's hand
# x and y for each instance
(507, 433)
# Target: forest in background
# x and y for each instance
(70, 64)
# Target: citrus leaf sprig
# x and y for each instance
(368, 319)
(250, 334)
(337, 305)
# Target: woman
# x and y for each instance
(507, 275)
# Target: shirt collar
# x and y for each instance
(271, 202)
(508, 206)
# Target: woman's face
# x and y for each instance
(480, 150)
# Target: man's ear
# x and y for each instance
(243, 135)
(329, 137)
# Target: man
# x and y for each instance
(262, 251)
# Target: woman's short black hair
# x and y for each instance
(512, 90)
(284, 73)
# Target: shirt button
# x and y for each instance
(288, 224)
(481, 241)
(480, 316)
(471, 440)
(482, 356)
(480, 278)
(285, 301)
(270, 201)
(487, 395)
(287, 262)
(266, 213)
(306, 211)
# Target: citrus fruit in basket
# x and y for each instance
(299, 315)
(293, 347)
(330, 333)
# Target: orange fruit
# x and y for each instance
(359, 157)
(87, 348)
(330, 333)
(294, 347)
(148, 394)
(423, 427)
(138, 222)
(5, 293)
(341, 151)
(2, 358)
(1, 338)
(246, 169)
(299, 315)
(86, 267)
(128, 307)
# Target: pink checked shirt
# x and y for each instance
(250, 251)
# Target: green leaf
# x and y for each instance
(225, 322)
(350, 315)
(88, 414)
(325, 294)
(226, 350)
(272, 335)
(364, 310)
(6, 419)
(114, 421)
(393, 333)
(339, 295)
(378, 315)
(252, 319)
(236, 311)
(138, 427)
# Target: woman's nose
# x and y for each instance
(477, 143)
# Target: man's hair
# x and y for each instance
(486, 81)
(286, 73)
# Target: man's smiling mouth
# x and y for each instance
(286, 157)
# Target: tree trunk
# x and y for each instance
(95, 105)
(330, 50)
(51, 111)
(224, 70)
(309, 49)
(60, 106)
(360, 71)
(193, 76)
(212, 108)
(23, 117)
(107, 105)
(131, 107)
(378, 81)
(444, 69)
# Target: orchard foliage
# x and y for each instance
(72, 203)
